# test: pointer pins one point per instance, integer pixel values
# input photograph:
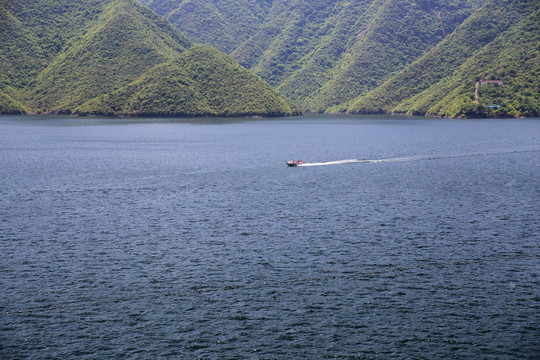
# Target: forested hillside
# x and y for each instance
(426, 57)
(62, 56)
(499, 43)
(417, 57)
(201, 81)
(224, 24)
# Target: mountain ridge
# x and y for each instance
(398, 93)
(351, 56)
(98, 49)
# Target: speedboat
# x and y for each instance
(294, 162)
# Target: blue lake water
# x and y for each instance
(406, 238)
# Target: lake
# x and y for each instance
(402, 237)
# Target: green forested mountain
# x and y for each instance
(224, 24)
(323, 53)
(382, 39)
(68, 57)
(412, 56)
(433, 57)
(10, 106)
(201, 81)
(499, 42)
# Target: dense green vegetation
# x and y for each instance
(498, 42)
(502, 79)
(62, 56)
(224, 24)
(321, 53)
(10, 106)
(378, 56)
(393, 37)
(423, 57)
(201, 81)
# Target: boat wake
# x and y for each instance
(413, 158)
(337, 162)
(354, 161)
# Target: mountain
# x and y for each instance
(62, 56)
(384, 38)
(364, 56)
(224, 24)
(10, 106)
(499, 42)
(327, 52)
(201, 81)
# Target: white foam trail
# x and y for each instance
(416, 158)
(337, 162)
(352, 161)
